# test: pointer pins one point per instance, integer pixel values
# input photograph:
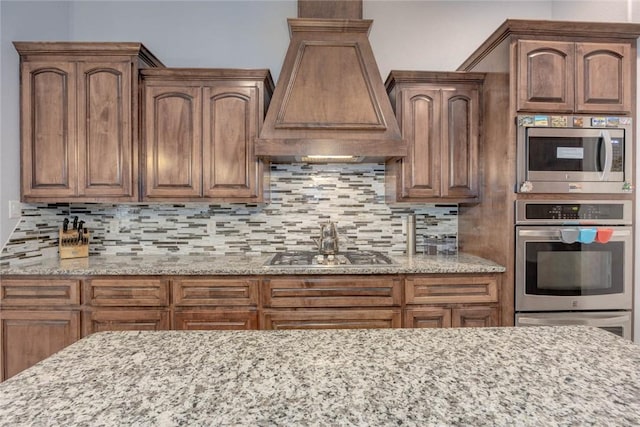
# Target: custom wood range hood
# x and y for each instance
(330, 103)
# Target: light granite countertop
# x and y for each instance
(538, 376)
(241, 265)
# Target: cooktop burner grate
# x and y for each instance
(313, 259)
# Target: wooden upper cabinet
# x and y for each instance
(439, 116)
(200, 127)
(581, 77)
(603, 77)
(79, 120)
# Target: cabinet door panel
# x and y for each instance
(105, 160)
(460, 143)
(335, 291)
(474, 317)
(230, 117)
(215, 320)
(427, 317)
(215, 291)
(31, 336)
(173, 141)
(451, 289)
(603, 77)
(48, 117)
(545, 76)
(126, 292)
(39, 292)
(421, 125)
(101, 320)
(331, 319)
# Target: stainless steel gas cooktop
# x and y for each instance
(313, 259)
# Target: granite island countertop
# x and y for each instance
(567, 375)
(241, 265)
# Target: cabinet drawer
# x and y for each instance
(39, 292)
(451, 289)
(215, 292)
(215, 320)
(331, 319)
(339, 291)
(124, 320)
(427, 317)
(126, 292)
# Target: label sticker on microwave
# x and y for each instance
(578, 122)
(575, 187)
(624, 120)
(570, 153)
(598, 121)
(558, 121)
(613, 121)
(541, 120)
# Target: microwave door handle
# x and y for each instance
(608, 155)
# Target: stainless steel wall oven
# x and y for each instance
(574, 263)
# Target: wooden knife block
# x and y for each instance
(70, 247)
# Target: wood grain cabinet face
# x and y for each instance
(442, 301)
(216, 319)
(439, 116)
(39, 293)
(118, 319)
(199, 135)
(31, 336)
(115, 292)
(79, 120)
(241, 291)
(332, 291)
(558, 76)
(331, 319)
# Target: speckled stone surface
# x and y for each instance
(238, 264)
(542, 376)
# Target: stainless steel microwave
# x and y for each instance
(574, 154)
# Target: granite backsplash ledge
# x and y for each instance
(302, 196)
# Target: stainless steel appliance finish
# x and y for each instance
(617, 322)
(313, 259)
(574, 154)
(554, 273)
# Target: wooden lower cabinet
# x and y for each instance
(331, 319)
(447, 317)
(29, 336)
(101, 320)
(207, 319)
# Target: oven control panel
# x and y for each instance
(592, 212)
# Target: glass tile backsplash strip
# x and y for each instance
(302, 197)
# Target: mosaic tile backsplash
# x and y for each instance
(302, 197)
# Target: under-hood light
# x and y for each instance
(317, 158)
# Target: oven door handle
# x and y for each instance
(550, 321)
(608, 155)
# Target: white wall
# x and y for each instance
(19, 21)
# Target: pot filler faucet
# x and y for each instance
(328, 240)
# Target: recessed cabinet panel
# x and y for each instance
(104, 127)
(206, 320)
(173, 141)
(31, 336)
(460, 156)
(603, 77)
(427, 317)
(421, 170)
(331, 319)
(215, 291)
(126, 292)
(474, 317)
(39, 292)
(102, 320)
(545, 75)
(48, 129)
(229, 165)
